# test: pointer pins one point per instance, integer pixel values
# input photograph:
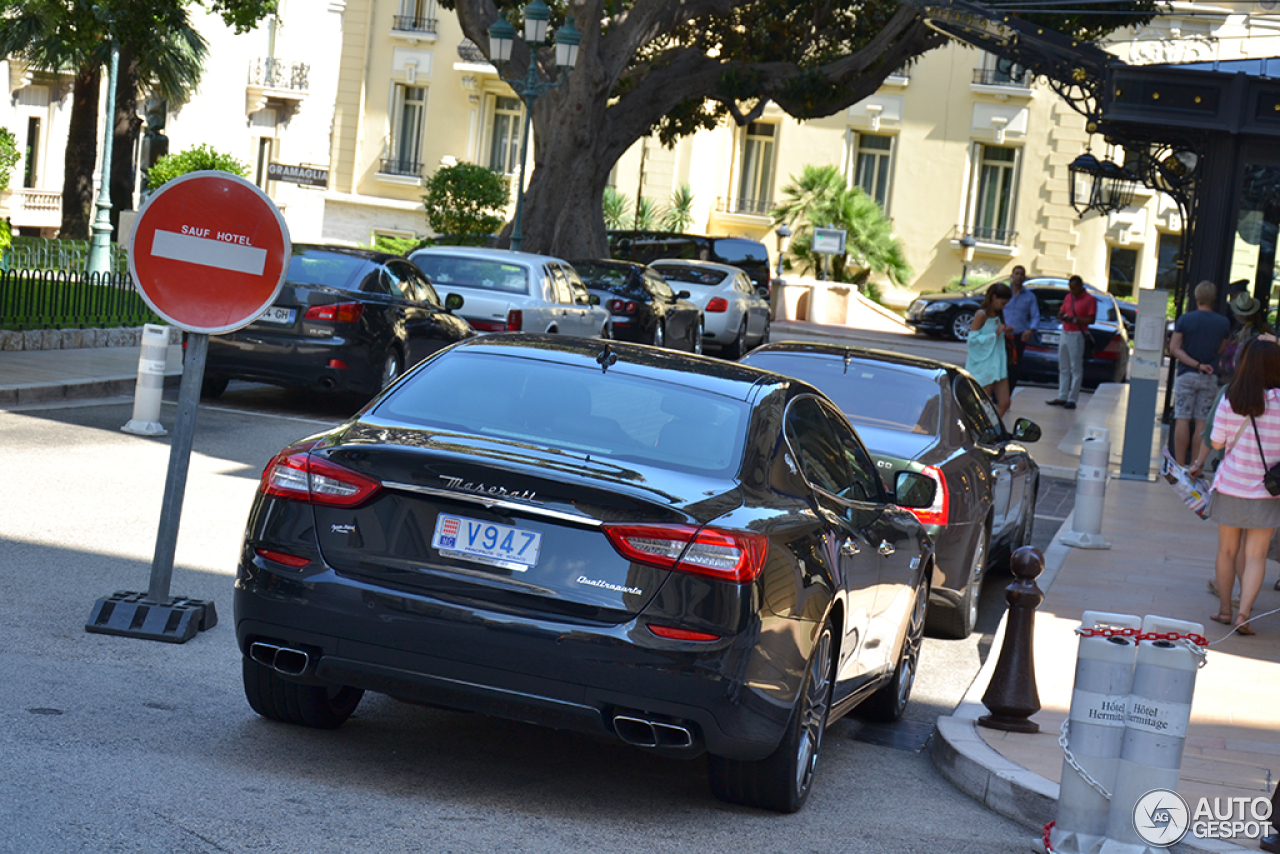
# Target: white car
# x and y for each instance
(506, 291)
(735, 314)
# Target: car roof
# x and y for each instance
(527, 259)
(691, 262)
(915, 364)
(609, 262)
(374, 255)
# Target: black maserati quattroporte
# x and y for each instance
(679, 552)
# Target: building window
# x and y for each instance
(872, 166)
(755, 180)
(1122, 269)
(416, 16)
(504, 141)
(30, 152)
(407, 119)
(1168, 255)
(265, 148)
(992, 193)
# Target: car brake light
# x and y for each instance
(937, 512)
(622, 306)
(672, 633)
(736, 556)
(488, 325)
(294, 561)
(718, 304)
(301, 477)
(1112, 350)
(515, 320)
(339, 312)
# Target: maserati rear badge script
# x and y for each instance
(595, 582)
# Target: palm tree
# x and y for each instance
(616, 206)
(679, 213)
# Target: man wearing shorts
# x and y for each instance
(1198, 338)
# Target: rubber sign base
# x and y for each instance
(176, 620)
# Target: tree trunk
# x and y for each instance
(125, 146)
(80, 157)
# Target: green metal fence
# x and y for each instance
(41, 253)
(47, 299)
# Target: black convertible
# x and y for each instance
(683, 553)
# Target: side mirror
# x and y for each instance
(453, 302)
(762, 292)
(682, 295)
(914, 490)
(593, 299)
(1026, 430)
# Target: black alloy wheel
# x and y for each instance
(764, 336)
(213, 387)
(782, 781)
(958, 622)
(392, 366)
(659, 334)
(890, 701)
(739, 345)
(278, 699)
(958, 328)
(698, 338)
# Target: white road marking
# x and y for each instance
(209, 253)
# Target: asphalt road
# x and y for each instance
(117, 744)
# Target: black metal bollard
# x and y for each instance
(1012, 697)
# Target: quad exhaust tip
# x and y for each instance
(642, 732)
(282, 659)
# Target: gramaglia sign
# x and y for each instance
(303, 175)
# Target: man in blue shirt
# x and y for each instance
(1197, 340)
(1023, 314)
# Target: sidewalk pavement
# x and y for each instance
(1160, 559)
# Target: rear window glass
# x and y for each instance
(735, 250)
(603, 276)
(333, 269)
(691, 275)
(590, 412)
(870, 394)
(479, 273)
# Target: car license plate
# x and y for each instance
(1049, 338)
(278, 316)
(486, 542)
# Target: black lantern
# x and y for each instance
(1100, 186)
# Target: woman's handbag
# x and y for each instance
(1271, 478)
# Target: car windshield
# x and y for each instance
(690, 275)
(603, 276)
(591, 412)
(331, 269)
(869, 393)
(479, 273)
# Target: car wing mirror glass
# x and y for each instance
(914, 490)
(682, 295)
(453, 302)
(593, 299)
(1026, 430)
(762, 292)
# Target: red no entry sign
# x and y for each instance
(209, 252)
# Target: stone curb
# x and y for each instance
(76, 339)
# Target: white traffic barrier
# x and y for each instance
(1091, 491)
(150, 386)
(1156, 719)
(1094, 730)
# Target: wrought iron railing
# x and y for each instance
(396, 166)
(757, 207)
(988, 234)
(49, 299)
(415, 23)
(996, 77)
(42, 253)
(272, 73)
(468, 52)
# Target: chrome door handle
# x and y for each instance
(849, 547)
(886, 548)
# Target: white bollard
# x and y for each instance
(1156, 719)
(1094, 732)
(1091, 491)
(150, 385)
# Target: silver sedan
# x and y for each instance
(735, 314)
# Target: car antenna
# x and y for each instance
(848, 358)
(606, 358)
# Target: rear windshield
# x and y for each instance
(603, 414)
(332, 269)
(735, 250)
(603, 276)
(691, 275)
(871, 394)
(479, 273)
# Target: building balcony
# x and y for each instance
(272, 79)
(750, 207)
(993, 81)
(406, 171)
(985, 234)
(414, 27)
(30, 208)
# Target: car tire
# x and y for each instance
(279, 699)
(698, 338)
(764, 336)
(890, 701)
(958, 325)
(213, 387)
(782, 781)
(1029, 520)
(659, 334)
(392, 367)
(738, 346)
(958, 622)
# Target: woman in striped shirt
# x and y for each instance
(1247, 424)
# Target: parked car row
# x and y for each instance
(352, 320)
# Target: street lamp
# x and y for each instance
(100, 240)
(966, 243)
(501, 40)
(784, 235)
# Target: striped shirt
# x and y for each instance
(1240, 473)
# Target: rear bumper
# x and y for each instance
(562, 674)
(294, 362)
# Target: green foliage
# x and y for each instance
(646, 215)
(819, 198)
(976, 280)
(616, 208)
(679, 213)
(6, 237)
(203, 156)
(395, 245)
(8, 157)
(466, 202)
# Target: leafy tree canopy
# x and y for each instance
(195, 159)
(465, 202)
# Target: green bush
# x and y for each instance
(466, 202)
(976, 280)
(8, 157)
(196, 159)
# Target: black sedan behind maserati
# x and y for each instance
(642, 306)
(345, 320)
(925, 416)
(682, 553)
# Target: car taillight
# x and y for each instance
(515, 320)
(736, 556)
(1112, 350)
(301, 477)
(718, 304)
(673, 633)
(488, 325)
(622, 306)
(294, 561)
(937, 512)
(338, 312)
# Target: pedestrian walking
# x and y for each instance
(1247, 312)
(1077, 314)
(1022, 315)
(1198, 339)
(1245, 512)
(987, 358)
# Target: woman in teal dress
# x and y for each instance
(988, 359)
